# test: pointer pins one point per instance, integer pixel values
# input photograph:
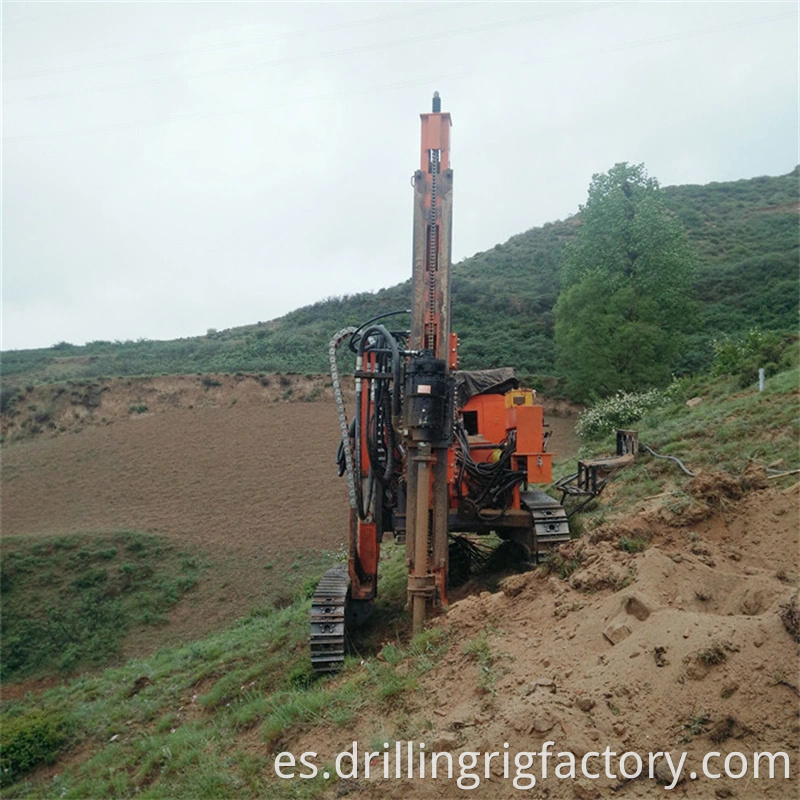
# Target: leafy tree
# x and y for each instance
(626, 285)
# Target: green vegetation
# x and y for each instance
(553, 563)
(626, 285)
(632, 544)
(206, 719)
(618, 411)
(69, 601)
(480, 651)
(29, 739)
(744, 354)
(744, 234)
(727, 431)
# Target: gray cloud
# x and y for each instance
(170, 167)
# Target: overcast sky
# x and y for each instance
(173, 167)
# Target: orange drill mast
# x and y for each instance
(431, 451)
(428, 388)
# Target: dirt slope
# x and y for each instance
(702, 660)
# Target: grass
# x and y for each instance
(632, 544)
(696, 725)
(205, 719)
(69, 601)
(480, 651)
(729, 430)
(553, 563)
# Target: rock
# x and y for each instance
(542, 722)
(547, 684)
(637, 607)
(114, 738)
(753, 603)
(659, 654)
(619, 729)
(693, 402)
(723, 791)
(583, 790)
(663, 774)
(617, 632)
(584, 703)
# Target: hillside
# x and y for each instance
(744, 232)
(680, 587)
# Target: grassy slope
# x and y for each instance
(745, 233)
(68, 601)
(201, 720)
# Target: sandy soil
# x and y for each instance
(689, 654)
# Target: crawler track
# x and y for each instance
(328, 608)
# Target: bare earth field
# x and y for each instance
(236, 472)
(248, 486)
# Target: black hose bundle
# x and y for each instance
(378, 409)
(490, 483)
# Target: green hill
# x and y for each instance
(744, 232)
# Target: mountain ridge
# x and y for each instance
(744, 233)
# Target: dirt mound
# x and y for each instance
(680, 647)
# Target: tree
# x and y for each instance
(626, 285)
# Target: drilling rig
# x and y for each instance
(432, 453)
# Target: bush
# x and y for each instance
(744, 355)
(28, 740)
(617, 411)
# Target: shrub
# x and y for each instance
(743, 355)
(617, 411)
(28, 740)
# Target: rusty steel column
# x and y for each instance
(426, 425)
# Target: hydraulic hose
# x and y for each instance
(669, 458)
